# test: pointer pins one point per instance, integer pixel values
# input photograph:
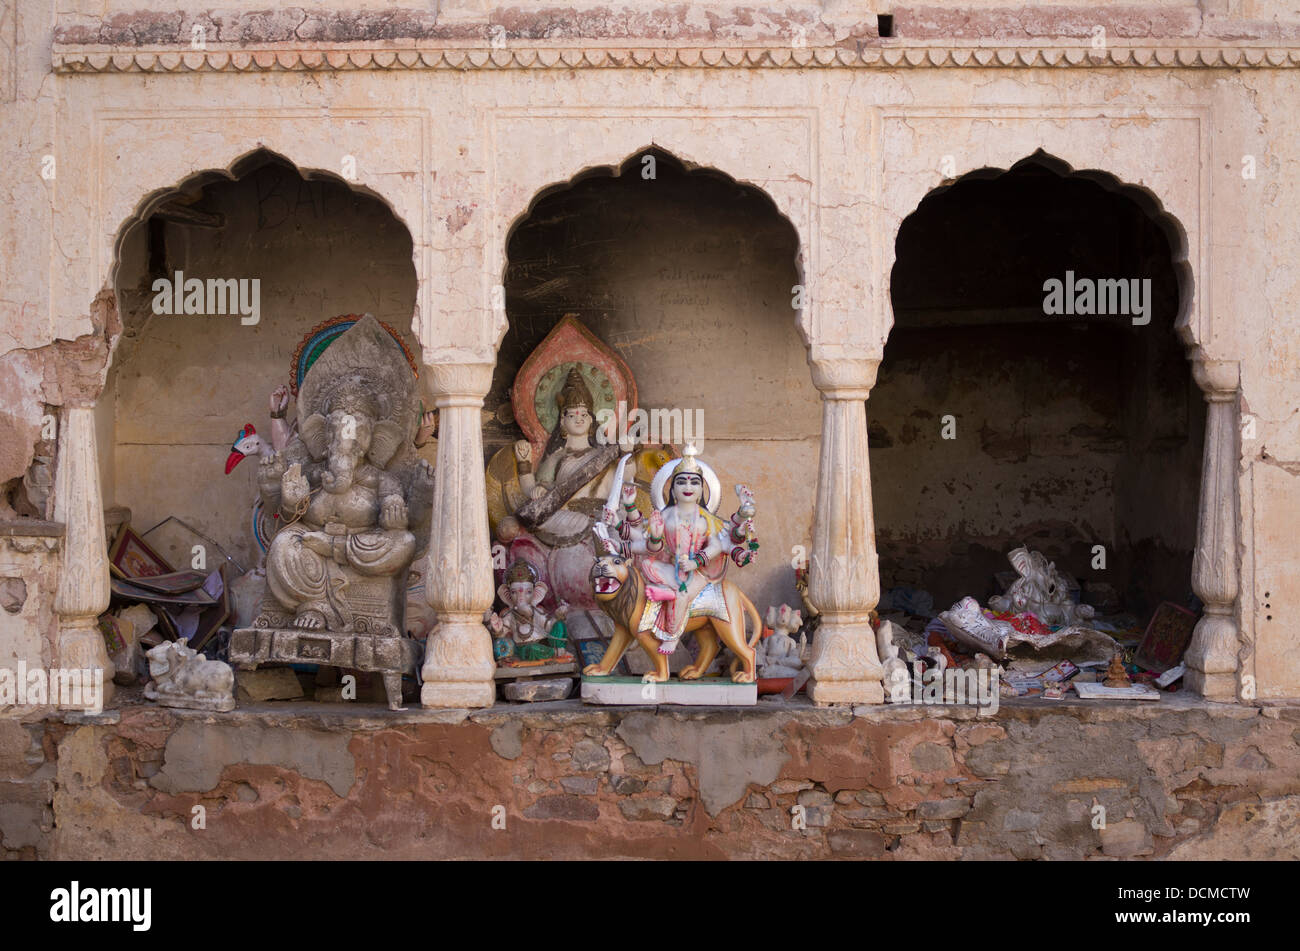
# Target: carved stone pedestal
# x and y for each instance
(705, 692)
(390, 656)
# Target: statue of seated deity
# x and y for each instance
(336, 571)
(547, 490)
(779, 654)
(679, 555)
(522, 633)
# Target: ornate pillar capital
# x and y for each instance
(844, 377)
(459, 384)
(1218, 379)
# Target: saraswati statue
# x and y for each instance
(547, 491)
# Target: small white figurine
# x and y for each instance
(898, 681)
(184, 678)
(778, 653)
(967, 623)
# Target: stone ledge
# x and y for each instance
(317, 780)
(365, 717)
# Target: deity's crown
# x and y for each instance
(688, 463)
(575, 392)
(353, 395)
(521, 572)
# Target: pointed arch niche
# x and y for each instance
(1086, 437)
(180, 387)
(687, 276)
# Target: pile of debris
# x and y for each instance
(1039, 637)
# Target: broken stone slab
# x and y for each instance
(267, 683)
(542, 670)
(534, 690)
(658, 807)
(943, 808)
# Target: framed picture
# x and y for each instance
(1167, 636)
(133, 558)
(133, 592)
(211, 619)
(176, 582)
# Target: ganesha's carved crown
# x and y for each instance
(363, 372)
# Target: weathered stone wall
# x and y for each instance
(1177, 780)
(29, 566)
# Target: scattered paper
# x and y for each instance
(1102, 692)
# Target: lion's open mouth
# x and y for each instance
(605, 584)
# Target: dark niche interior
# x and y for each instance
(1070, 431)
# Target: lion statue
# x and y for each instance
(620, 592)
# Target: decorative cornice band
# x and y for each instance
(101, 60)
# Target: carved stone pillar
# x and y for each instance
(1212, 657)
(458, 663)
(83, 590)
(844, 580)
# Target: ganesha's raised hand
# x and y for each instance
(279, 401)
(392, 514)
(270, 470)
(428, 426)
(294, 487)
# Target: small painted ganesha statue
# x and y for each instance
(522, 633)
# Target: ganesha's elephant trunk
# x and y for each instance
(337, 479)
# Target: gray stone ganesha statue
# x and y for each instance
(354, 505)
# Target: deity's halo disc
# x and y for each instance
(664, 478)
